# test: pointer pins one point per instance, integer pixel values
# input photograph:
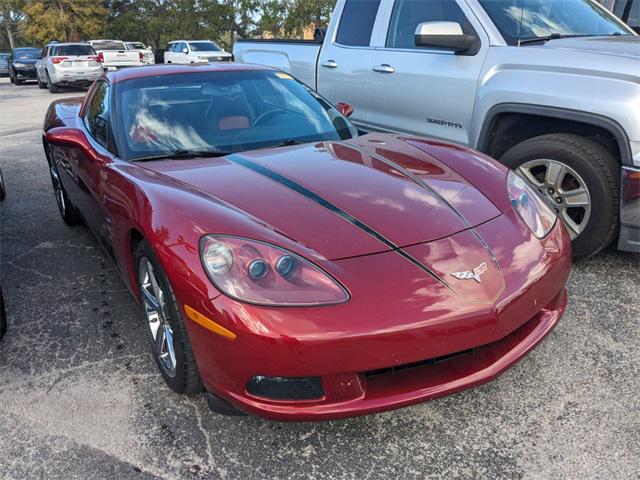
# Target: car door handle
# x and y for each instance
(330, 64)
(384, 68)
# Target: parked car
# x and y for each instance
(68, 65)
(629, 12)
(195, 51)
(22, 64)
(114, 54)
(549, 88)
(148, 57)
(294, 268)
(4, 64)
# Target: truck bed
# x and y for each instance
(297, 57)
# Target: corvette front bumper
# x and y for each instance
(392, 345)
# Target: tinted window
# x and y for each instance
(97, 115)
(108, 45)
(531, 19)
(228, 112)
(26, 54)
(629, 11)
(204, 47)
(408, 14)
(356, 24)
(71, 50)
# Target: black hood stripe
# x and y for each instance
(296, 187)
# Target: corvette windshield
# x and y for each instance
(222, 112)
(532, 19)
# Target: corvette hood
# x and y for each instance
(342, 199)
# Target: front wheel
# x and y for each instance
(168, 336)
(580, 178)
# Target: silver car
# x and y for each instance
(68, 64)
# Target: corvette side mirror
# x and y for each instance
(345, 109)
(68, 136)
(448, 36)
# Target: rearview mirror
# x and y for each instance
(185, 50)
(446, 35)
(344, 108)
(72, 137)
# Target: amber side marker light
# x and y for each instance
(209, 324)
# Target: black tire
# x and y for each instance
(41, 85)
(53, 88)
(17, 81)
(600, 172)
(3, 188)
(185, 379)
(3, 316)
(66, 208)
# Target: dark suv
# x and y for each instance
(22, 64)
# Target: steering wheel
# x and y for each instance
(268, 115)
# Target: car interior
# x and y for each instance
(226, 114)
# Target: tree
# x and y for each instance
(10, 15)
(294, 17)
(63, 20)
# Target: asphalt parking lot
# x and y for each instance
(80, 396)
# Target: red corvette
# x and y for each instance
(291, 267)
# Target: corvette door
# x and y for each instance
(92, 172)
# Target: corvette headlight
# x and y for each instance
(531, 208)
(263, 274)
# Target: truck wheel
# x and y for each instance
(53, 88)
(580, 178)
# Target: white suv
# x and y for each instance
(68, 64)
(195, 51)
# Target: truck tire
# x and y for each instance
(580, 178)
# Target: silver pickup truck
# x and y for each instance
(549, 87)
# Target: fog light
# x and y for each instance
(286, 388)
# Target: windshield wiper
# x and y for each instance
(183, 154)
(553, 36)
(288, 143)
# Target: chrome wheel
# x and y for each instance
(57, 188)
(564, 188)
(155, 308)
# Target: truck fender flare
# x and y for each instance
(578, 116)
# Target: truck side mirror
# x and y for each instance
(448, 36)
(185, 50)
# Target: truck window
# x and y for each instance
(356, 24)
(408, 14)
(628, 11)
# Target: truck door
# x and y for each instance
(424, 90)
(345, 57)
